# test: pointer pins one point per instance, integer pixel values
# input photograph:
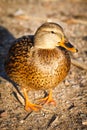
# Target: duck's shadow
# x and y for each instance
(6, 41)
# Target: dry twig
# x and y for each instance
(79, 64)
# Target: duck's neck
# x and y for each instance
(46, 52)
(47, 47)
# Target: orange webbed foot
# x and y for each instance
(32, 107)
(28, 105)
(48, 99)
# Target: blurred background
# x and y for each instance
(23, 17)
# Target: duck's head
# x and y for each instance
(51, 35)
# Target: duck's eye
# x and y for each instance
(52, 31)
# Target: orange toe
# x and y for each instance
(32, 107)
(48, 99)
(28, 105)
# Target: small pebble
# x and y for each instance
(22, 121)
(67, 83)
(19, 12)
(84, 122)
(75, 86)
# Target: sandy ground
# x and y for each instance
(23, 17)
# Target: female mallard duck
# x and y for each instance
(40, 62)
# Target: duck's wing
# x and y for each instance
(21, 44)
(19, 49)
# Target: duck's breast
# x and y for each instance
(48, 68)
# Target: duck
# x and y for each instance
(40, 62)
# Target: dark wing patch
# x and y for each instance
(20, 47)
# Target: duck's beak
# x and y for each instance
(67, 45)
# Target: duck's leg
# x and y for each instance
(28, 104)
(48, 99)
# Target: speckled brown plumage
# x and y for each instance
(34, 67)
